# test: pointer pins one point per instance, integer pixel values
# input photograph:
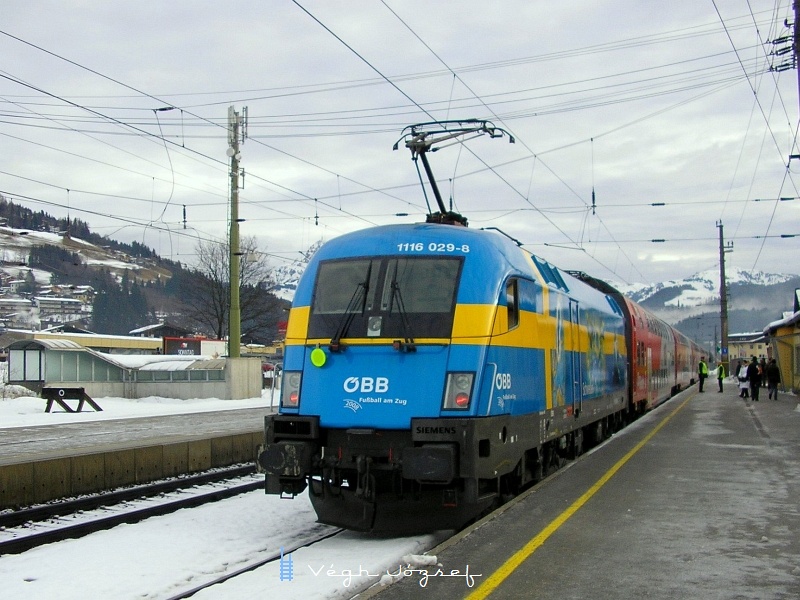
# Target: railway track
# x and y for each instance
(44, 524)
(257, 564)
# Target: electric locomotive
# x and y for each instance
(431, 369)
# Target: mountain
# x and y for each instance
(692, 305)
(58, 256)
(50, 278)
(286, 278)
(56, 272)
(700, 289)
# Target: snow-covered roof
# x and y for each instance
(785, 322)
(58, 299)
(50, 344)
(745, 337)
(200, 362)
(145, 328)
(161, 362)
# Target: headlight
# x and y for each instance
(290, 389)
(458, 391)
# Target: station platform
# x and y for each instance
(697, 499)
(46, 462)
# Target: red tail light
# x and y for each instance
(290, 389)
(458, 391)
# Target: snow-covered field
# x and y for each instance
(165, 555)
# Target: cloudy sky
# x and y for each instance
(669, 112)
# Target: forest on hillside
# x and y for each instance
(196, 299)
(20, 217)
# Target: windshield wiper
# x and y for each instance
(407, 345)
(359, 297)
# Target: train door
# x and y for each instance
(650, 380)
(576, 361)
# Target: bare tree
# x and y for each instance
(207, 297)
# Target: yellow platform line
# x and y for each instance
(507, 568)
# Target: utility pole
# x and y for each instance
(723, 297)
(787, 50)
(237, 132)
(796, 42)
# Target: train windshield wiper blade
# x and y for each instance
(359, 297)
(408, 339)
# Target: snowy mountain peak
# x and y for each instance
(698, 289)
(286, 277)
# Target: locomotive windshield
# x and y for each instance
(373, 297)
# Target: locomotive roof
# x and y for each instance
(489, 258)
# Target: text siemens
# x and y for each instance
(420, 430)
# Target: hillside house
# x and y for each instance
(16, 312)
(69, 309)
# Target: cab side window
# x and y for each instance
(512, 303)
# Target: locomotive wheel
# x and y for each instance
(546, 459)
(510, 484)
(551, 460)
(576, 445)
(596, 433)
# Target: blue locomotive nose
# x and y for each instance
(374, 386)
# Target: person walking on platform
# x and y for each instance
(773, 378)
(763, 366)
(720, 375)
(702, 371)
(754, 377)
(744, 385)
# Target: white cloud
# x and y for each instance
(592, 89)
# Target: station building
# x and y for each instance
(744, 346)
(784, 339)
(41, 363)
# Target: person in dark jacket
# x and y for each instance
(773, 378)
(754, 377)
(763, 365)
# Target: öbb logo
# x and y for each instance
(502, 381)
(366, 384)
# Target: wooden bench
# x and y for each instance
(60, 395)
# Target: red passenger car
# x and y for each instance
(652, 356)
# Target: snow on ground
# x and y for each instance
(28, 411)
(165, 555)
(162, 556)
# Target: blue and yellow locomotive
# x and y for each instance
(431, 370)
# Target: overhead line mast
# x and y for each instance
(723, 298)
(237, 132)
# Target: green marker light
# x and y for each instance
(318, 357)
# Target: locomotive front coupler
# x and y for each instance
(365, 481)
